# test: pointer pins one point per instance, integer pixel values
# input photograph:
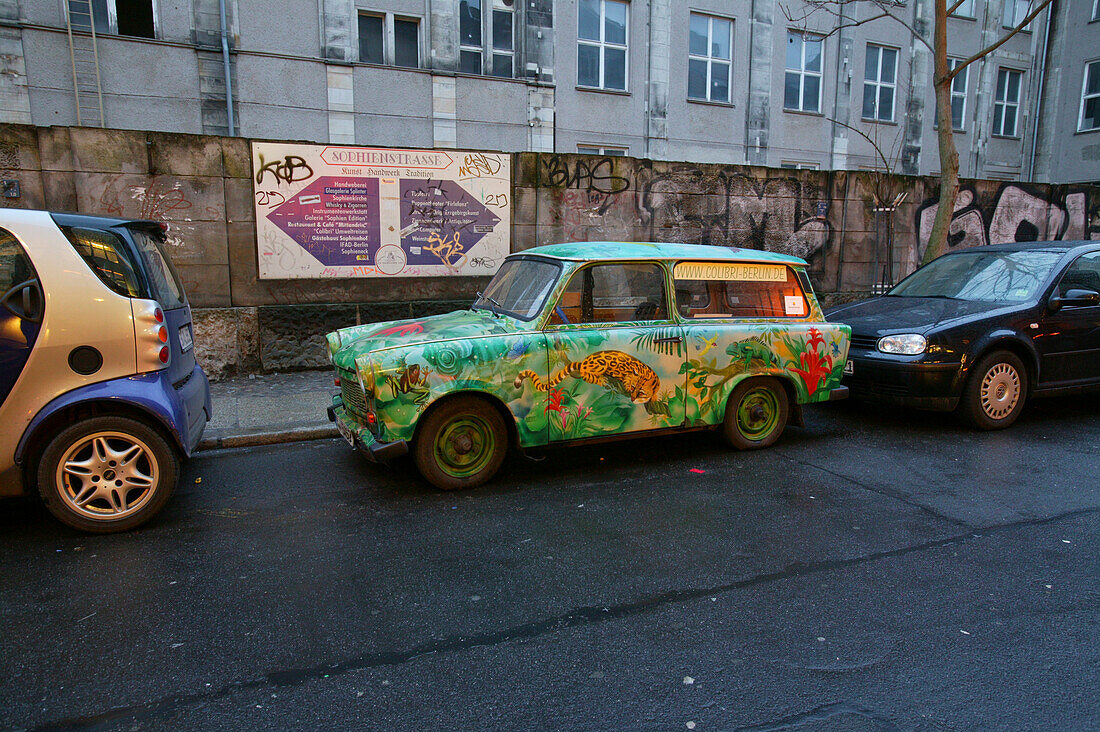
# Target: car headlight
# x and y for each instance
(332, 344)
(906, 344)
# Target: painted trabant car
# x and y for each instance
(585, 341)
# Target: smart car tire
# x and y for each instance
(107, 474)
(461, 443)
(995, 392)
(756, 413)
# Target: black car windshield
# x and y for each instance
(983, 276)
(519, 288)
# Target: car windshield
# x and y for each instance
(519, 288)
(982, 276)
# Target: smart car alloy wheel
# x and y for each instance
(106, 474)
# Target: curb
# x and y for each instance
(254, 439)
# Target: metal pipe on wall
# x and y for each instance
(228, 75)
(1039, 93)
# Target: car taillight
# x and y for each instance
(153, 350)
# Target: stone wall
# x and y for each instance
(858, 230)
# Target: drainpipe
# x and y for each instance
(228, 76)
(1039, 94)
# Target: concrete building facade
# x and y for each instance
(761, 82)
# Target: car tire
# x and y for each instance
(107, 474)
(995, 392)
(461, 443)
(756, 413)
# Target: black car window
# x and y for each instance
(1083, 274)
(108, 257)
(15, 268)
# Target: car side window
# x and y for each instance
(15, 267)
(613, 293)
(106, 254)
(1083, 274)
(738, 290)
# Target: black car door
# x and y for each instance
(20, 311)
(1069, 347)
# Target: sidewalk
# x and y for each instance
(268, 408)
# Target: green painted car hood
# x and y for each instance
(360, 339)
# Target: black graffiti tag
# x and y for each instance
(288, 170)
(597, 177)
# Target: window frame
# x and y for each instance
(1000, 106)
(111, 7)
(879, 85)
(710, 60)
(798, 165)
(605, 150)
(590, 265)
(803, 73)
(389, 37)
(602, 45)
(960, 13)
(1095, 10)
(486, 49)
(1085, 97)
(1014, 7)
(952, 64)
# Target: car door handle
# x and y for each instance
(669, 339)
(30, 301)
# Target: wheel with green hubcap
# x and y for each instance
(461, 443)
(756, 413)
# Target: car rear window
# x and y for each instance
(108, 256)
(738, 290)
(164, 282)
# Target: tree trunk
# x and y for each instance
(949, 155)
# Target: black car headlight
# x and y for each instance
(904, 344)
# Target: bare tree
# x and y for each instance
(841, 14)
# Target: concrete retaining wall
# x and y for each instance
(857, 229)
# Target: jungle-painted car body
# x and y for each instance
(593, 340)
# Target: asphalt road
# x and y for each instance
(877, 570)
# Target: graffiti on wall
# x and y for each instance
(696, 204)
(1016, 213)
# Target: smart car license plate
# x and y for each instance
(345, 432)
(186, 341)
(848, 368)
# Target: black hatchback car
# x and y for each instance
(981, 330)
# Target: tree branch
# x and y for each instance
(993, 47)
(829, 6)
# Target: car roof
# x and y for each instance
(1026, 246)
(616, 250)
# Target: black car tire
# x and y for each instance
(120, 474)
(460, 444)
(756, 413)
(995, 392)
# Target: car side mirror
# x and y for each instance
(1074, 298)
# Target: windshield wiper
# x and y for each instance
(491, 301)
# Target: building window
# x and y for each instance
(794, 165)
(388, 39)
(501, 32)
(1006, 106)
(1015, 12)
(601, 44)
(612, 152)
(958, 94)
(1090, 97)
(880, 83)
(1096, 9)
(710, 41)
(136, 18)
(965, 10)
(802, 87)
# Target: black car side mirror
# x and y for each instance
(1075, 297)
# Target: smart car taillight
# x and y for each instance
(151, 341)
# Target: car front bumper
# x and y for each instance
(903, 380)
(361, 438)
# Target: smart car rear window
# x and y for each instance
(107, 255)
(739, 290)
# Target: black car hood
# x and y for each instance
(881, 316)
